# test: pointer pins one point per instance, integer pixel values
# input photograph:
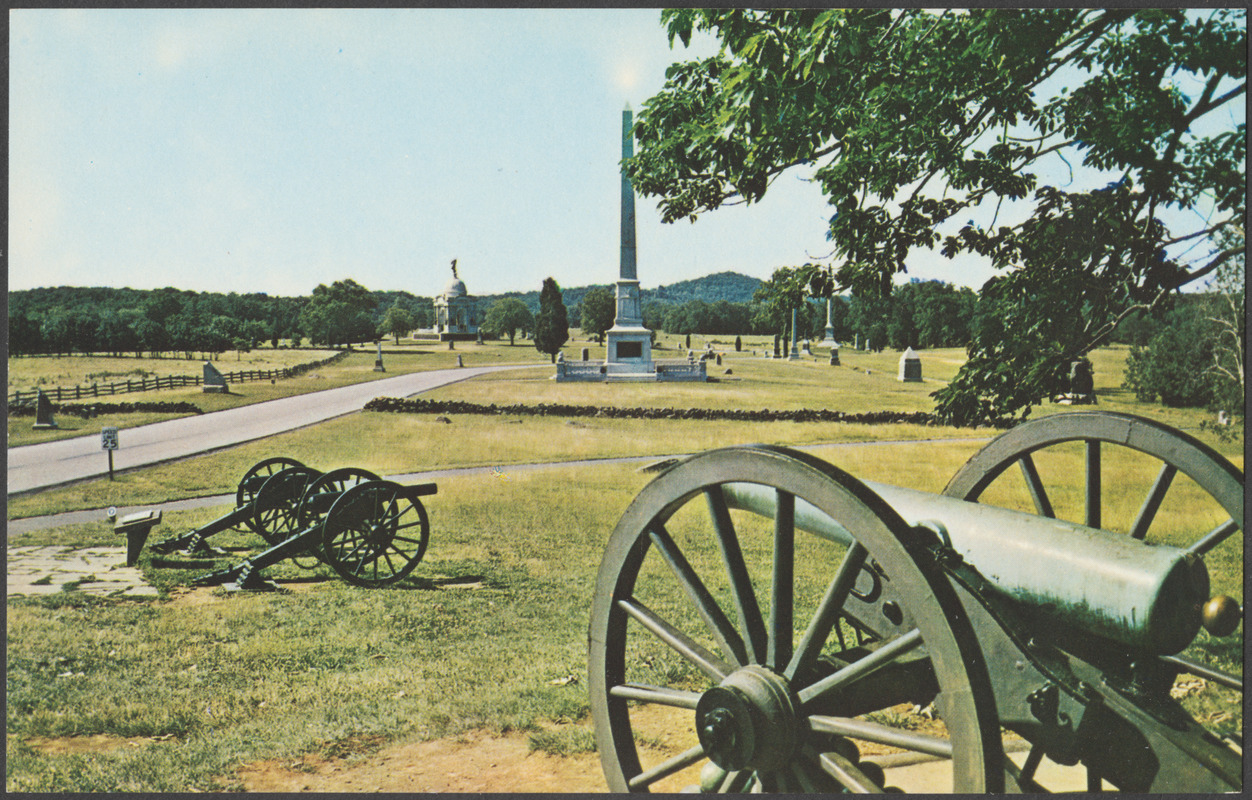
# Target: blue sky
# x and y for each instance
(270, 150)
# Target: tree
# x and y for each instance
(913, 121)
(1225, 310)
(774, 299)
(1174, 364)
(339, 314)
(552, 324)
(506, 317)
(397, 321)
(599, 307)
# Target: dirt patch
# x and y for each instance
(475, 762)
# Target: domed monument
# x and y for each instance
(454, 311)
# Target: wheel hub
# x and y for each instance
(749, 721)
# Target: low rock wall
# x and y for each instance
(88, 410)
(422, 406)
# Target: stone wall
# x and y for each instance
(88, 410)
(422, 406)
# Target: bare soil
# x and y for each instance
(475, 762)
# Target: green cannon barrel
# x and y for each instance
(1146, 596)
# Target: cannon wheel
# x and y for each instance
(762, 704)
(1176, 451)
(336, 481)
(264, 469)
(278, 503)
(375, 534)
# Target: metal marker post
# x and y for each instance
(108, 441)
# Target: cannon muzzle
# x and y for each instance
(1145, 596)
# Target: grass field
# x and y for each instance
(490, 628)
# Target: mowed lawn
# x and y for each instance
(176, 693)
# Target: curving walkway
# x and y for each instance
(42, 466)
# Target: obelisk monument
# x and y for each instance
(629, 343)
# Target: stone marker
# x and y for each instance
(1223, 418)
(378, 362)
(910, 367)
(459, 362)
(834, 355)
(214, 383)
(586, 354)
(43, 411)
(451, 345)
(794, 355)
(719, 359)
(480, 336)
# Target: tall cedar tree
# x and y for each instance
(552, 324)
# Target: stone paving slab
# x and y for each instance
(100, 571)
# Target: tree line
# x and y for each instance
(64, 320)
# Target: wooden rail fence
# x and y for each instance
(58, 394)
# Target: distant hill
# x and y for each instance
(732, 287)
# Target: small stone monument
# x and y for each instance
(777, 353)
(794, 355)
(378, 362)
(43, 411)
(459, 362)
(586, 354)
(719, 359)
(480, 335)
(834, 355)
(910, 367)
(1223, 418)
(805, 350)
(214, 382)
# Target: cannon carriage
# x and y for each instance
(788, 611)
(371, 532)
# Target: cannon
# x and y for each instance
(371, 532)
(254, 510)
(795, 618)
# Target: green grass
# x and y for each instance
(215, 680)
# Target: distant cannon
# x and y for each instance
(370, 531)
(791, 610)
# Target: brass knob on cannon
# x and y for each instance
(1221, 615)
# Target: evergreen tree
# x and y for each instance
(552, 324)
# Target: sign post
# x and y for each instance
(108, 441)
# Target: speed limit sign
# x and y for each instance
(108, 439)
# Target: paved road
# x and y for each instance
(40, 466)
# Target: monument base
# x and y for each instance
(39, 426)
(216, 389)
(378, 367)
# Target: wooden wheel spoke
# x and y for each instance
(1152, 503)
(882, 734)
(1093, 484)
(719, 625)
(667, 768)
(862, 667)
(843, 770)
(740, 581)
(827, 614)
(707, 662)
(658, 695)
(781, 615)
(1214, 537)
(1043, 506)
